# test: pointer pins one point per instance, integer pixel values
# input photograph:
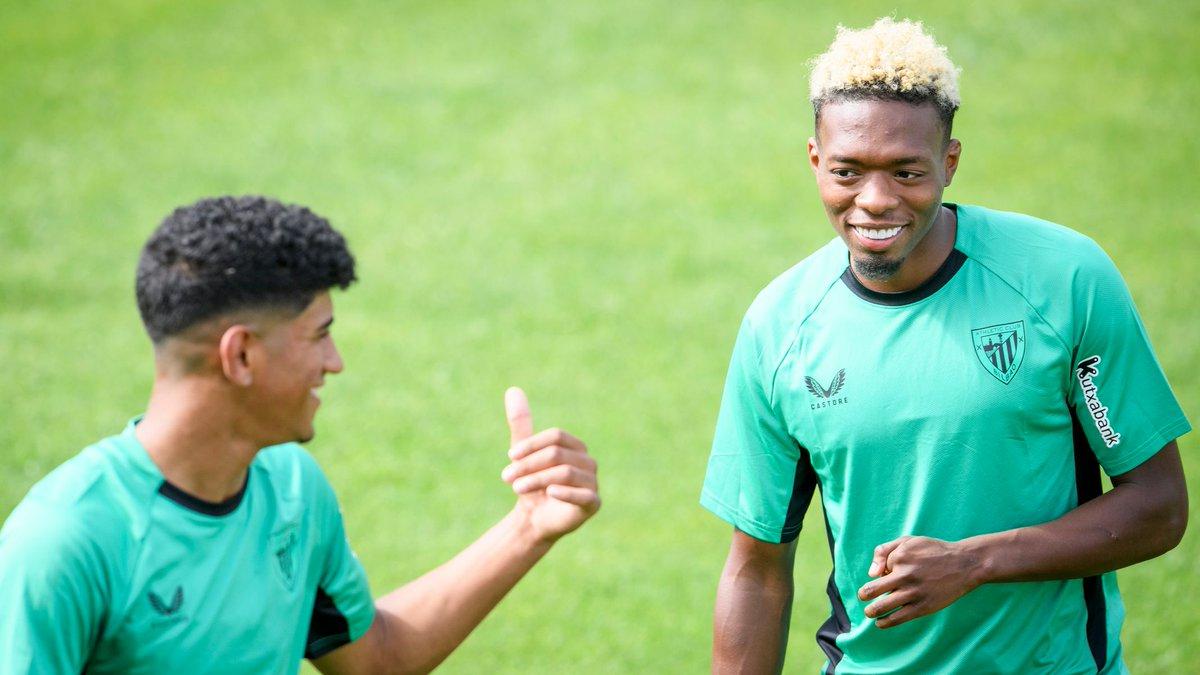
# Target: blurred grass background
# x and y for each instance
(580, 198)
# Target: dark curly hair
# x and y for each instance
(231, 253)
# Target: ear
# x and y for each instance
(953, 151)
(814, 154)
(234, 354)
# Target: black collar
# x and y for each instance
(193, 503)
(940, 278)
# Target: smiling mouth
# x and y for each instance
(877, 233)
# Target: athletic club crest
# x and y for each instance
(1000, 348)
(283, 553)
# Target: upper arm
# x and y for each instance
(359, 657)
(52, 593)
(762, 560)
(1163, 487)
(1118, 390)
(759, 479)
(343, 612)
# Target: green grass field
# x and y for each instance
(580, 198)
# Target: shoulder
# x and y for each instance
(292, 469)
(91, 499)
(38, 535)
(286, 457)
(46, 543)
(1028, 250)
(780, 309)
(1057, 270)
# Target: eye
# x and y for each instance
(905, 174)
(842, 173)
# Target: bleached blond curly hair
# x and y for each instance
(891, 60)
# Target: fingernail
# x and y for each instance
(507, 472)
(520, 485)
(512, 452)
(874, 569)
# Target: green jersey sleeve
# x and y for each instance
(344, 608)
(754, 479)
(1118, 390)
(51, 592)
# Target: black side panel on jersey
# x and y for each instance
(1088, 487)
(838, 621)
(327, 629)
(803, 484)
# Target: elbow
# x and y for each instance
(1174, 525)
(1167, 525)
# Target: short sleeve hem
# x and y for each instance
(735, 518)
(1134, 458)
(361, 621)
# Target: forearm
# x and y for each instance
(431, 615)
(750, 627)
(1124, 526)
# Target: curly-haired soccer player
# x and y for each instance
(202, 538)
(951, 379)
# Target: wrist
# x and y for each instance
(526, 534)
(980, 556)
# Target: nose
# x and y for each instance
(333, 360)
(876, 196)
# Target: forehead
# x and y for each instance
(879, 130)
(314, 317)
(318, 312)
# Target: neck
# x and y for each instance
(924, 260)
(190, 432)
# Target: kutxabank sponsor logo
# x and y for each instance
(825, 395)
(1000, 348)
(1086, 371)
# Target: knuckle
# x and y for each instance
(556, 435)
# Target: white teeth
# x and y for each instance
(877, 234)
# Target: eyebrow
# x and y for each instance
(841, 159)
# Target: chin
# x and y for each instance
(877, 267)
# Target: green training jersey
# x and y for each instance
(985, 400)
(107, 567)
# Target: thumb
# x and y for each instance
(879, 560)
(516, 409)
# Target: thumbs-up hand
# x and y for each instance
(551, 472)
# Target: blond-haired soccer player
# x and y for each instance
(951, 379)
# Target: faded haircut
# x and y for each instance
(227, 254)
